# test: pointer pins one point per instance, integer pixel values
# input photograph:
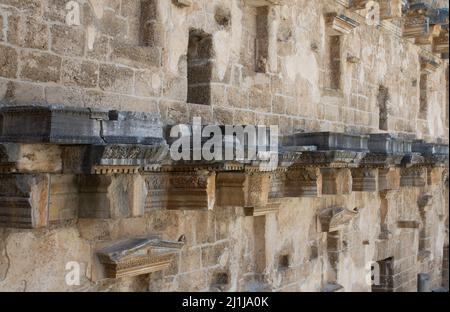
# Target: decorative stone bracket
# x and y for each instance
(339, 24)
(137, 256)
(335, 218)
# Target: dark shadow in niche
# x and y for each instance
(383, 100)
(385, 281)
(148, 32)
(200, 65)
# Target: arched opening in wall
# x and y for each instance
(384, 282)
(200, 65)
(255, 28)
(334, 62)
(423, 106)
(383, 100)
(149, 34)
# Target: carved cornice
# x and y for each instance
(137, 256)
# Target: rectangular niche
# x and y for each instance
(200, 65)
(383, 105)
(423, 107)
(333, 68)
(255, 54)
(148, 32)
(384, 282)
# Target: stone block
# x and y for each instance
(24, 200)
(79, 73)
(413, 177)
(250, 190)
(40, 67)
(116, 79)
(8, 62)
(336, 181)
(180, 191)
(327, 141)
(388, 179)
(132, 128)
(63, 200)
(111, 197)
(364, 180)
(29, 158)
(35, 34)
(303, 182)
(134, 56)
(67, 40)
(34, 124)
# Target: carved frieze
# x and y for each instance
(364, 180)
(413, 177)
(303, 182)
(180, 190)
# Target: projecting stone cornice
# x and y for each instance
(79, 163)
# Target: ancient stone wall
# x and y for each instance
(306, 66)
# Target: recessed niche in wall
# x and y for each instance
(200, 65)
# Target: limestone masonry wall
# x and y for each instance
(251, 62)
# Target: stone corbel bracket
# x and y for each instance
(326, 170)
(180, 190)
(182, 3)
(424, 23)
(441, 43)
(137, 256)
(339, 24)
(428, 65)
(386, 155)
(335, 218)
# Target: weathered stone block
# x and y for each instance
(79, 73)
(63, 200)
(30, 124)
(24, 200)
(35, 34)
(364, 180)
(413, 177)
(303, 182)
(111, 197)
(329, 141)
(139, 57)
(116, 79)
(132, 128)
(388, 179)
(41, 67)
(8, 62)
(249, 190)
(28, 158)
(67, 40)
(336, 181)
